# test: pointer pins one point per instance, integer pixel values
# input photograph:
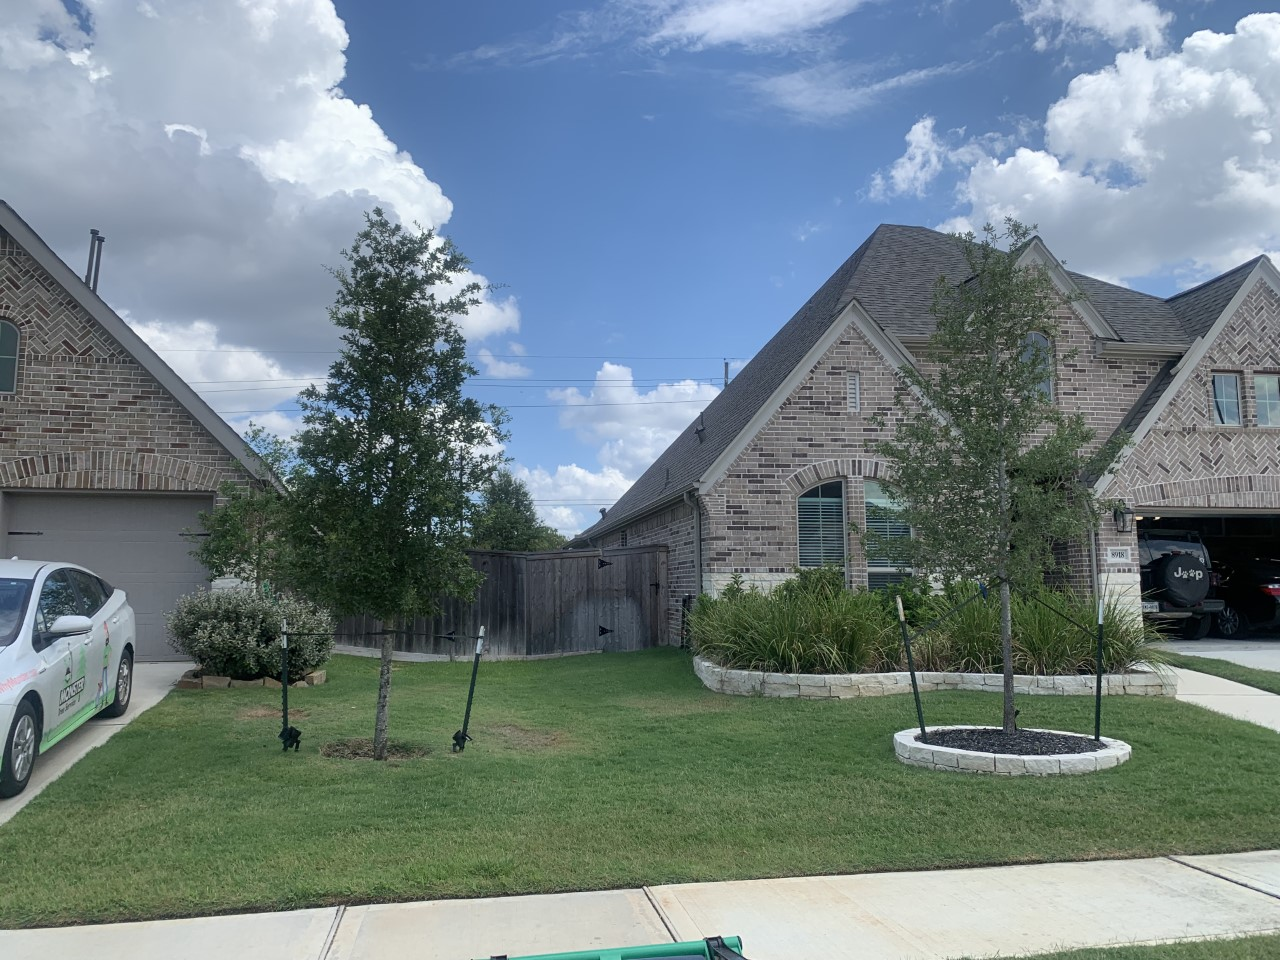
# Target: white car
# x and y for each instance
(66, 654)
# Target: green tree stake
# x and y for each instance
(911, 668)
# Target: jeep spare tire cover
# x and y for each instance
(1184, 578)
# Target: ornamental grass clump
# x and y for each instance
(809, 628)
(812, 624)
(236, 633)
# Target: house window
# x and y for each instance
(1266, 391)
(855, 393)
(1037, 346)
(821, 527)
(622, 540)
(886, 561)
(1226, 399)
(8, 357)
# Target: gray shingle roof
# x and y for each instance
(1200, 306)
(1137, 317)
(892, 275)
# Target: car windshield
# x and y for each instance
(13, 604)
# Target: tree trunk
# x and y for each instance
(384, 694)
(1006, 613)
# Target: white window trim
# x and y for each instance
(854, 392)
(1213, 398)
(1257, 404)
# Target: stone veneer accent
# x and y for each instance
(843, 686)
(909, 750)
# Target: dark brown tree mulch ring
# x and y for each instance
(1026, 743)
(361, 748)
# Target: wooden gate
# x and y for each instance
(544, 604)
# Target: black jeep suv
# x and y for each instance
(1177, 579)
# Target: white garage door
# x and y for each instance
(134, 542)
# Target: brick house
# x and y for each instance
(106, 455)
(775, 470)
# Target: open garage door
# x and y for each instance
(135, 542)
(1244, 549)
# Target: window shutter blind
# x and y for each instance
(821, 527)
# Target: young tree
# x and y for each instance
(989, 472)
(243, 535)
(391, 450)
(506, 519)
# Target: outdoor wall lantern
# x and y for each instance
(1124, 519)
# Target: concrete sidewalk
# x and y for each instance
(1006, 911)
(1228, 697)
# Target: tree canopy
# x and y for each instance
(988, 471)
(392, 451)
(506, 519)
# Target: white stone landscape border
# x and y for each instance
(841, 686)
(910, 750)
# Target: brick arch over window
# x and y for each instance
(1243, 491)
(815, 473)
(109, 470)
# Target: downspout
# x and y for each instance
(691, 498)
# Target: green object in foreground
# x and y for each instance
(688, 950)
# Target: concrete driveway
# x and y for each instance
(1261, 653)
(151, 681)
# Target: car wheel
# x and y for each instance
(1230, 622)
(20, 750)
(1196, 628)
(124, 686)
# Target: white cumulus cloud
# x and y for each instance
(630, 427)
(214, 147)
(633, 426)
(1156, 163)
(505, 369)
(914, 170)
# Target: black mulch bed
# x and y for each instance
(1027, 743)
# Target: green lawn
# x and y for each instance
(1267, 680)
(1248, 948)
(590, 773)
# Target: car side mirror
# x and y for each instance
(70, 625)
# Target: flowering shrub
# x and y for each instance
(236, 633)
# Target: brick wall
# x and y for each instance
(86, 415)
(813, 437)
(1187, 460)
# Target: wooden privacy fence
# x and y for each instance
(541, 604)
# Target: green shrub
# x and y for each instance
(814, 628)
(794, 631)
(817, 582)
(236, 633)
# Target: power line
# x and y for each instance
(496, 356)
(287, 383)
(521, 406)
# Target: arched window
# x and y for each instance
(821, 528)
(8, 357)
(1038, 345)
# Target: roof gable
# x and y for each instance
(887, 286)
(115, 327)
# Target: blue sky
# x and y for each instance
(651, 186)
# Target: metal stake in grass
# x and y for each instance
(460, 738)
(1097, 695)
(289, 736)
(911, 667)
